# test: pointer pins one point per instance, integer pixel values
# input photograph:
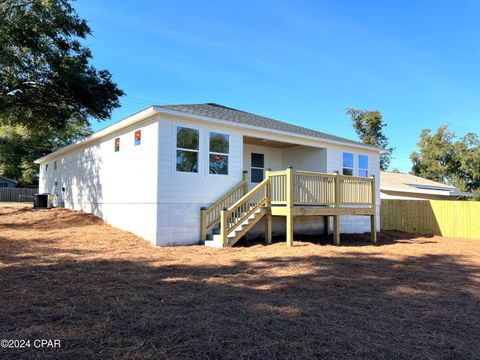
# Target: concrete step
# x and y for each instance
(215, 243)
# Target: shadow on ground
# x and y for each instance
(351, 305)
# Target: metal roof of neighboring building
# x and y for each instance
(393, 181)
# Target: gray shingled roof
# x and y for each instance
(221, 112)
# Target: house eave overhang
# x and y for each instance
(267, 130)
(156, 110)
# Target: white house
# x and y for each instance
(152, 172)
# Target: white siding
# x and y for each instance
(120, 187)
(305, 158)
(272, 156)
(181, 195)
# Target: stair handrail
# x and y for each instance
(244, 209)
(210, 216)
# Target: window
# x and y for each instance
(363, 165)
(218, 156)
(187, 150)
(347, 164)
(257, 167)
(117, 144)
(138, 137)
(55, 165)
(46, 168)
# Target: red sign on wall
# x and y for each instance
(138, 137)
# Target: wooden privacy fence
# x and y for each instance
(432, 217)
(17, 194)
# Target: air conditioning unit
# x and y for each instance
(42, 201)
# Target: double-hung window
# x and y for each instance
(347, 164)
(218, 155)
(363, 165)
(187, 149)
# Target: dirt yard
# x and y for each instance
(107, 294)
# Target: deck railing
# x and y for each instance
(211, 216)
(290, 188)
(296, 188)
(243, 209)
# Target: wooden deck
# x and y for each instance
(292, 193)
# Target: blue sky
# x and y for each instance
(303, 62)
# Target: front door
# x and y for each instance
(257, 168)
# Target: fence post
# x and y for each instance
(203, 223)
(223, 227)
(373, 217)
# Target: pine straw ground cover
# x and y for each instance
(108, 294)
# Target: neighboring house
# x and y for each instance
(7, 183)
(410, 187)
(152, 172)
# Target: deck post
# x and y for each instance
(373, 217)
(245, 182)
(223, 227)
(268, 215)
(203, 224)
(337, 189)
(268, 226)
(336, 229)
(336, 217)
(289, 227)
(289, 216)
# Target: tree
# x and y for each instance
(19, 148)
(46, 78)
(444, 157)
(466, 158)
(369, 127)
(436, 154)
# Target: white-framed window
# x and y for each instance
(187, 149)
(257, 167)
(363, 165)
(348, 163)
(219, 149)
